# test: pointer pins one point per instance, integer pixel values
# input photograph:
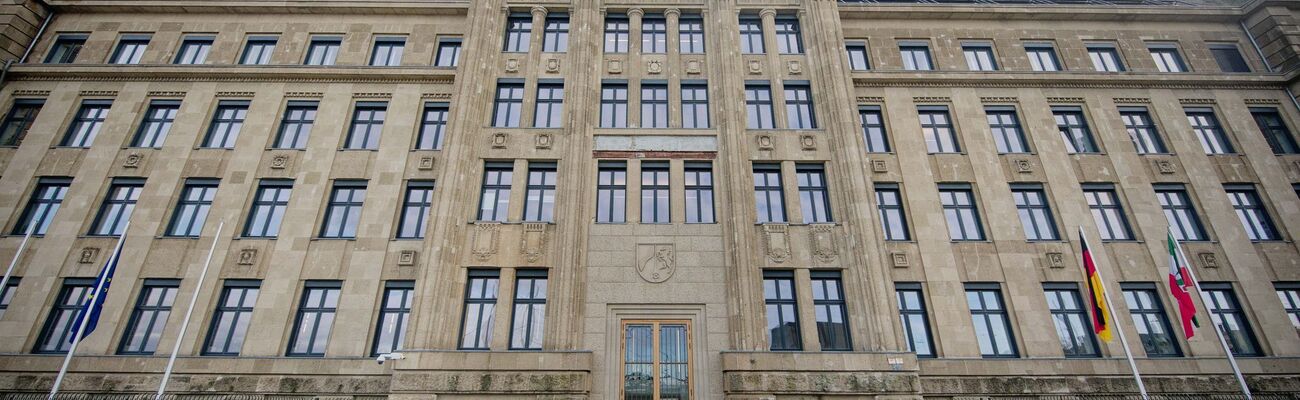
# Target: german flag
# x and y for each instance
(1100, 320)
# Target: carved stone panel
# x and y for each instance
(694, 67)
(553, 65)
(247, 256)
(1165, 167)
(1208, 260)
(776, 242)
(133, 160)
(656, 262)
(795, 67)
(1055, 260)
(755, 67)
(765, 142)
(655, 67)
(879, 166)
(499, 140)
(533, 242)
(426, 163)
(614, 67)
(512, 65)
(88, 255)
(808, 142)
(1024, 166)
(406, 258)
(822, 238)
(899, 260)
(485, 239)
(281, 161)
(544, 140)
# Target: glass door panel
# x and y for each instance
(656, 360)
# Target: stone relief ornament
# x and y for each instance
(544, 140)
(88, 255)
(1024, 166)
(553, 65)
(133, 160)
(755, 67)
(1209, 260)
(1165, 167)
(485, 239)
(899, 260)
(615, 67)
(823, 241)
(808, 142)
(247, 256)
(764, 142)
(776, 242)
(426, 163)
(693, 67)
(879, 166)
(512, 65)
(280, 161)
(1055, 260)
(658, 264)
(406, 258)
(533, 241)
(795, 67)
(499, 140)
(655, 67)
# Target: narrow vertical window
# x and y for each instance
(156, 124)
(989, 315)
(192, 208)
(194, 50)
(269, 205)
(555, 35)
(323, 50)
(758, 106)
(829, 307)
(65, 49)
(1226, 314)
(782, 311)
(1287, 292)
(1073, 327)
(857, 54)
(539, 202)
(227, 121)
(799, 110)
(916, 56)
(873, 129)
(529, 315)
(960, 211)
(343, 212)
(433, 126)
(1250, 210)
(1035, 214)
(1107, 212)
(415, 210)
(394, 316)
(1150, 320)
(654, 105)
(388, 52)
(1229, 58)
(1207, 128)
(893, 220)
(1007, 134)
(654, 193)
(616, 33)
(912, 314)
(149, 317)
(258, 50)
(1146, 138)
(118, 204)
(1042, 57)
(1105, 58)
(690, 32)
(367, 125)
(19, 120)
(480, 308)
(43, 205)
(519, 32)
(611, 192)
(979, 57)
(814, 198)
(495, 196)
(699, 193)
(295, 126)
(90, 118)
(231, 318)
(509, 103)
(315, 319)
(751, 35)
(448, 53)
(1166, 57)
(1270, 123)
(769, 198)
(550, 105)
(67, 308)
(130, 49)
(613, 105)
(695, 105)
(1074, 130)
(7, 294)
(936, 127)
(1180, 212)
(789, 39)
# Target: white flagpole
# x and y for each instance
(85, 314)
(4, 283)
(1110, 310)
(171, 361)
(1232, 360)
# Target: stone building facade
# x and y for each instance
(587, 199)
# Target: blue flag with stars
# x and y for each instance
(94, 301)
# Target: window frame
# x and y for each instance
(783, 302)
(617, 26)
(1036, 61)
(1209, 131)
(958, 211)
(1184, 215)
(1034, 212)
(534, 306)
(612, 106)
(499, 188)
(1149, 315)
(858, 47)
(330, 45)
(1217, 49)
(1081, 320)
(1168, 58)
(143, 308)
(190, 215)
(421, 207)
(751, 35)
(518, 33)
(153, 129)
(916, 55)
(406, 290)
(65, 48)
(86, 123)
(824, 304)
(264, 46)
(202, 45)
(343, 203)
(869, 137)
(508, 98)
(1278, 134)
(454, 46)
(119, 210)
(319, 310)
(1106, 228)
(935, 128)
(270, 228)
(41, 209)
(537, 191)
(375, 114)
(769, 190)
(986, 313)
(789, 35)
(1007, 130)
(491, 279)
(1262, 226)
(1142, 129)
(814, 194)
(654, 34)
(555, 33)
(884, 212)
(301, 125)
(972, 52)
(22, 114)
(656, 194)
(906, 312)
(74, 290)
(549, 103)
(224, 129)
(1236, 310)
(654, 104)
(238, 311)
(608, 192)
(134, 43)
(698, 187)
(694, 97)
(1099, 64)
(1078, 137)
(800, 113)
(391, 48)
(756, 104)
(425, 139)
(690, 34)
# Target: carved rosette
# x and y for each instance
(485, 239)
(533, 241)
(776, 242)
(822, 238)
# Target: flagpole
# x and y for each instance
(4, 282)
(171, 361)
(85, 311)
(1123, 341)
(1232, 360)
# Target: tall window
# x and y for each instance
(117, 207)
(66, 48)
(1227, 315)
(960, 211)
(654, 193)
(367, 125)
(654, 105)
(873, 129)
(194, 50)
(555, 35)
(152, 308)
(19, 121)
(699, 193)
(323, 50)
(695, 105)
(1150, 320)
(7, 294)
(130, 49)
(448, 53)
(1229, 58)
(1107, 212)
(1072, 324)
(311, 329)
(1146, 138)
(912, 313)
(343, 212)
(1074, 130)
(979, 57)
(1007, 134)
(415, 209)
(857, 54)
(1105, 58)
(768, 195)
(751, 35)
(269, 204)
(295, 125)
(529, 315)
(539, 204)
(480, 307)
(1042, 57)
(799, 111)
(828, 306)
(814, 199)
(1288, 292)
(758, 106)
(432, 126)
(690, 34)
(509, 103)
(84, 128)
(1166, 57)
(916, 56)
(550, 105)
(616, 33)
(156, 124)
(258, 49)
(889, 203)
(782, 312)
(1035, 213)
(611, 192)
(1275, 131)
(989, 314)
(231, 319)
(394, 316)
(613, 105)
(936, 126)
(1250, 210)
(67, 308)
(654, 34)
(192, 207)
(44, 204)
(789, 39)
(227, 121)
(495, 198)
(388, 52)
(1208, 130)
(519, 32)
(1180, 212)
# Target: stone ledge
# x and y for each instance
(821, 373)
(230, 73)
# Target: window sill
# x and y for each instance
(970, 241)
(333, 239)
(161, 237)
(69, 147)
(255, 238)
(285, 149)
(358, 150)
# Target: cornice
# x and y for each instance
(1041, 12)
(167, 73)
(1067, 81)
(390, 7)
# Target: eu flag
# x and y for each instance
(94, 301)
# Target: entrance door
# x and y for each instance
(656, 360)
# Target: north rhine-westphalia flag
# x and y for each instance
(1179, 281)
(1100, 320)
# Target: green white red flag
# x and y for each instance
(1179, 281)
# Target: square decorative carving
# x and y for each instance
(280, 161)
(654, 67)
(1165, 167)
(247, 256)
(485, 239)
(1055, 260)
(900, 260)
(1024, 166)
(544, 140)
(133, 160)
(822, 241)
(426, 163)
(533, 242)
(552, 65)
(512, 65)
(808, 142)
(88, 255)
(406, 258)
(879, 166)
(1208, 260)
(764, 142)
(499, 140)
(755, 67)
(694, 67)
(777, 242)
(795, 67)
(614, 67)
